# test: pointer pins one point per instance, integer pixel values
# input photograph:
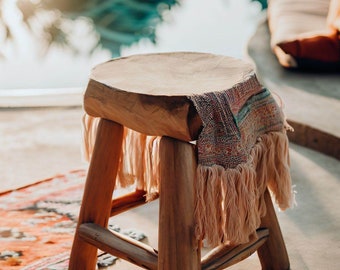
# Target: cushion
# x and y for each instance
(303, 33)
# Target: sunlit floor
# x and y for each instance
(39, 143)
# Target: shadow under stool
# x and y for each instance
(151, 94)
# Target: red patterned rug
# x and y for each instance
(38, 223)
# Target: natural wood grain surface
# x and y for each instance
(148, 93)
(224, 256)
(178, 247)
(100, 183)
(171, 74)
(119, 245)
(128, 202)
(273, 253)
(145, 114)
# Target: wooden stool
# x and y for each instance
(148, 93)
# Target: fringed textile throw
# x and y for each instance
(242, 149)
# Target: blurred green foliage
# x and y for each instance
(115, 22)
(264, 3)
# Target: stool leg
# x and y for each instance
(273, 254)
(177, 247)
(100, 183)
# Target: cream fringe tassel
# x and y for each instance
(230, 202)
(139, 160)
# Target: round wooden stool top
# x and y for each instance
(148, 93)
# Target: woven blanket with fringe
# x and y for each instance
(242, 150)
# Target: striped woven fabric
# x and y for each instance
(233, 120)
(242, 150)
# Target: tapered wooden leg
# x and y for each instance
(100, 183)
(177, 247)
(273, 254)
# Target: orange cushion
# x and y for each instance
(303, 33)
(320, 47)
